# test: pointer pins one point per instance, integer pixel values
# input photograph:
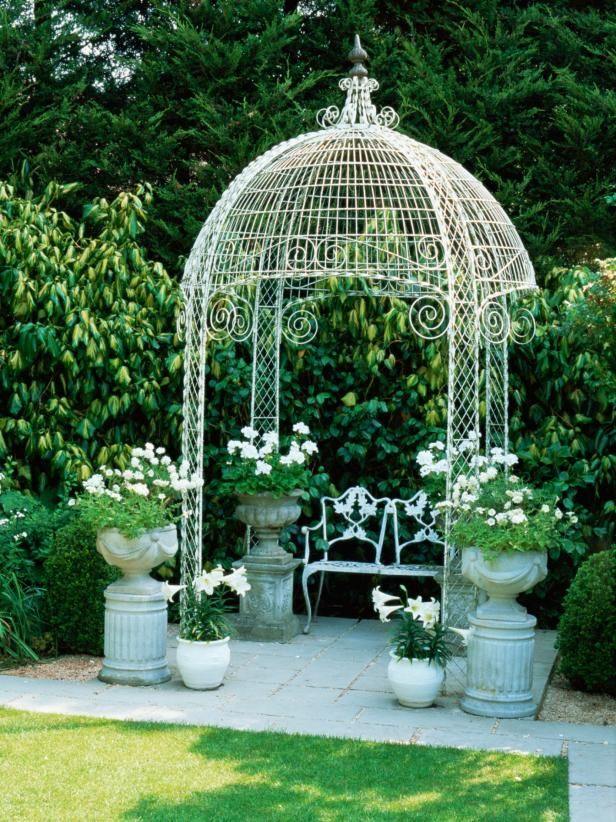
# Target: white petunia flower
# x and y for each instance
(545, 509)
(558, 514)
(491, 521)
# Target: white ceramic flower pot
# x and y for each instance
(416, 683)
(503, 578)
(203, 665)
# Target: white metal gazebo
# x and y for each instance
(356, 199)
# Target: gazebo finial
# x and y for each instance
(358, 57)
(358, 109)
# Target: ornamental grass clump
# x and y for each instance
(206, 604)
(492, 509)
(419, 634)
(268, 464)
(142, 497)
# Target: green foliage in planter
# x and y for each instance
(75, 577)
(90, 358)
(587, 628)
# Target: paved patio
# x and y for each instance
(333, 682)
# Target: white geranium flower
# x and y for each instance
(263, 468)
(249, 451)
(233, 446)
(249, 432)
(165, 461)
(160, 450)
(271, 437)
(301, 428)
(438, 446)
(310, 447)
(149, 446)
(139, 488)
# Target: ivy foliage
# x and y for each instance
(90, 363)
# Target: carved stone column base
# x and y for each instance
(266, 611)
(499, 668)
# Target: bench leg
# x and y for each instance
(305, 576)
(316, 607)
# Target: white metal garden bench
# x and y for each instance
(355, 515)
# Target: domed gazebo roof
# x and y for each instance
(358, 199)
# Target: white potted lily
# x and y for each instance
(420, 650)
(203, 654)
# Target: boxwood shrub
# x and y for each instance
(587, 628)
(75, 577)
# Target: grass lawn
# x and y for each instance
(69, 768)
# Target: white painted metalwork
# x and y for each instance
(356, 515)
(360, 203)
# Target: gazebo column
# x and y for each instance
(266, 611)
(462, 424)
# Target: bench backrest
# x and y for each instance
(417, 512)
(357, 513)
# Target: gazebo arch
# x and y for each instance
(359, 200)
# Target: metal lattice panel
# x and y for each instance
(360, 201)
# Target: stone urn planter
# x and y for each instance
(203, 665)
(266, 612)
(501, 639)
(503, 578)
(416, 683)
(267, 516)
(135, 607)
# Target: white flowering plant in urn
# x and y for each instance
(144, 496)
(268, 464)
(492, 508)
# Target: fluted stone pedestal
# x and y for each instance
(266, 611)
(499, 668)
(135, 607)
(135, 636)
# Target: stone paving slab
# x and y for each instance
(592, 803)
(333, 682)
(591, 764)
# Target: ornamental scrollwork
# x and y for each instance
(523, 326)
(430, 251)
(229, 316)
(429, 316)
(494, 324)
(299, 324)
(182, 323)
